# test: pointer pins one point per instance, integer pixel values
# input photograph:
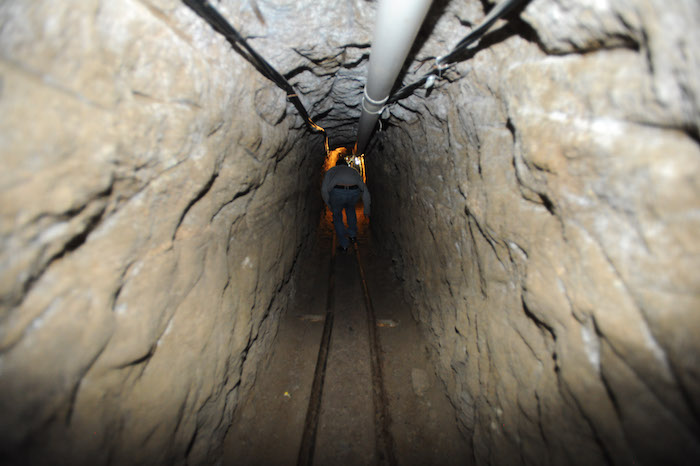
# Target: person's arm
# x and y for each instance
(365, 199)
(325, 187)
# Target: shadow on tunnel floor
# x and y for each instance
(268, 423)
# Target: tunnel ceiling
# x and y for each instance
(324, 52)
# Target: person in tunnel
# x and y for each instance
(341, 189)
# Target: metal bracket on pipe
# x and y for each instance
(439, 66)
(376, 106)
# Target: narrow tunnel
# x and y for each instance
(538, 207)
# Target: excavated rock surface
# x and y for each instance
(154, 198)
(541, 203)
(543, 211)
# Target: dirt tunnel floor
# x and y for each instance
(268, 426)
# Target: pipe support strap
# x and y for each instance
(371, 106)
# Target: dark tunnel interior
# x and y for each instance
(531, 255)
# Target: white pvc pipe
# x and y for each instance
(398, 23)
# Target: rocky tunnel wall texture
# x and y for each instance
(542, 205)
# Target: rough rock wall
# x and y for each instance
(544, 213)
(153, 200)
(543, 209)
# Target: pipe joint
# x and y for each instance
(371, 106)
(372, 110)
(372, 101)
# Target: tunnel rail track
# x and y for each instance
(384, 442)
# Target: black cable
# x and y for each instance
(223, 27)
(444, 62)
(498, 11)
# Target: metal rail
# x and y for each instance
(385, 441)
(384, 445)
(308, 439)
